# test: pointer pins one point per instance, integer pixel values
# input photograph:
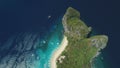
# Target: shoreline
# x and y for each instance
(58, 52)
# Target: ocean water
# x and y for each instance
(36, 50)
(52, 42)
(24, 26)
(30, 50)
(97, 62)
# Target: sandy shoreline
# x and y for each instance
(58, 52)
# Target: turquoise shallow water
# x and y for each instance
(35, 51)
(51, 41)
(48, 45)
(98, 62)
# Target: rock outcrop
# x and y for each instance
(73, 25)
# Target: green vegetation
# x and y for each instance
(73, 25)
(80, 50)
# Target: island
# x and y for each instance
(77, 49)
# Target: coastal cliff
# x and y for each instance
(74, 27)
(81, 49)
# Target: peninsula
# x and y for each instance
(77, 49)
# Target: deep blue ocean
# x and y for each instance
(28, 37)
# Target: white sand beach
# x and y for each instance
(58, 52)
